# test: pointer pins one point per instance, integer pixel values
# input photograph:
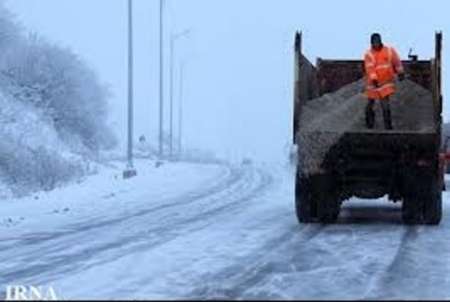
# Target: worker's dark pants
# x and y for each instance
(370, 114)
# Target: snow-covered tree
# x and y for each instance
(53, 110)
(58, 81)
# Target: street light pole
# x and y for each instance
(161, 77)
(130, 171)
(173, 39)
(180, 108)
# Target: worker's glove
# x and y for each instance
(375, 83)
(401, 76)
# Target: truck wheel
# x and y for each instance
(328, 206)
(411, 211)
(305, 205)
(422, 204)
(412, 208)
(432, 211)
(328, 212)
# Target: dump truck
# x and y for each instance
(403, 164)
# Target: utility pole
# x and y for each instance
(180, 109)
(173, 39)
(130, 171)
(161, 77)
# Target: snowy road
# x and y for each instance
(232, 235)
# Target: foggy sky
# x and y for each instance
(238, 96)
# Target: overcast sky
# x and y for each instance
(239, 72)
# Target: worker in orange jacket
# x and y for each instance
(382, 63)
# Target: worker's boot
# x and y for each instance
(370, 115)
(386, 106)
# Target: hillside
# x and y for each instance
(53, 112)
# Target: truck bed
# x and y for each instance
(344, 110)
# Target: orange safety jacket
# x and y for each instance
(381, 65)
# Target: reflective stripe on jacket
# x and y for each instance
(381, 65)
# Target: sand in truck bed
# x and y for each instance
(323, 121)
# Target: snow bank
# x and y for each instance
(106, 195)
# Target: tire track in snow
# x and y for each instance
(235, 179)
(52, 244)
(231, 176)
(272, 257)
(310, 251)
(378, 259)
(413, 265)
(407, 264)
(53, 265)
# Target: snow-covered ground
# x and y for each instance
(211, 231)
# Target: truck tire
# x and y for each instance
(432, 210)
(316, 199)
(305, 205)
(328, 205)
(412, 206)
(328, 212)
(411, 211)
(422, 204)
